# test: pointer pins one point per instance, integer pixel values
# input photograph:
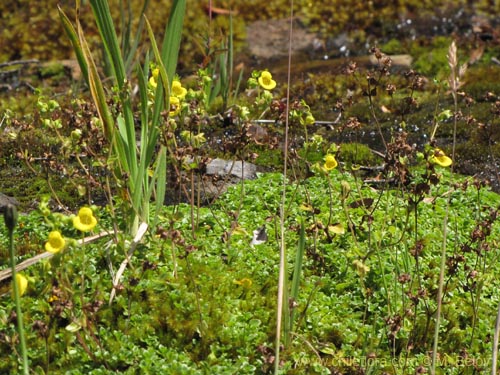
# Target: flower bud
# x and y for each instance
(346, 188)
(76, 135)
(10, 216)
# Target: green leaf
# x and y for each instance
(96, 88)
(73, 38)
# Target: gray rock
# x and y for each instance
(237, 168)
(269, 38)
(215, 179)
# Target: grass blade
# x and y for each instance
(297, 273)
(173, 35)
(110, 40)
(75, 43)
(108, 34)
(96, 88)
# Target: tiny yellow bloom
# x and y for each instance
(175, 106)
(152, 82)
(55, 243)
(199, 139)
(439, 157)
(22, 283)
(330, 162)
(245, 282)
(266, 80)
(306, 207)
(154, 77)
(85, 221)
(361, 268)
(239, 231)
(310, 120)
(336, 229)
(177, 90)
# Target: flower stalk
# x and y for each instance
(10, 217)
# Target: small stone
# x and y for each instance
(238, 168)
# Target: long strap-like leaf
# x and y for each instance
(107, 30)
(173, 36)
(73, 38)
(171, 45)
(96, 88)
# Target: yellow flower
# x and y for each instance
(336, 229)
(195, 140)
(55, 243)
(439, 157)
(154, 77)
(306, 207)
(22, 283)
(85, 221)
(245, 282)
(175, 106)
(330, 162)
(177, 90)
(310, 120)
(152, 82)
(266, 80)
(199, 139)
(362, 268)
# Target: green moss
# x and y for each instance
(268, 157)
(392, 47)
(28, 187)
(431, 56)
(357, 153)
(481, 79)
(52, 70)
(19, 104)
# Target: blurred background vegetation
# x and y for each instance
(423, 29)
(32, 30)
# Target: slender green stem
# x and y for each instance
(454, 84)
(10, 216)
(494, 356)
(82, 287)
(282, 266)
(297, 272)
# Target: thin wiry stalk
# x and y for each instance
(282, 271)
(10, 216)
(440, 291)
(494, 355)
(297, 273)
(454, 82)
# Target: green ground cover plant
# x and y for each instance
(192, 304)
(323, 266)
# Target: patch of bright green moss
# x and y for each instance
(357, 153)
(52, 70)
(392, 47)
(431, 56)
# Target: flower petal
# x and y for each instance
(266, 80)
(330, 162)
(55, 243)
(22, 283)
(85, 221)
